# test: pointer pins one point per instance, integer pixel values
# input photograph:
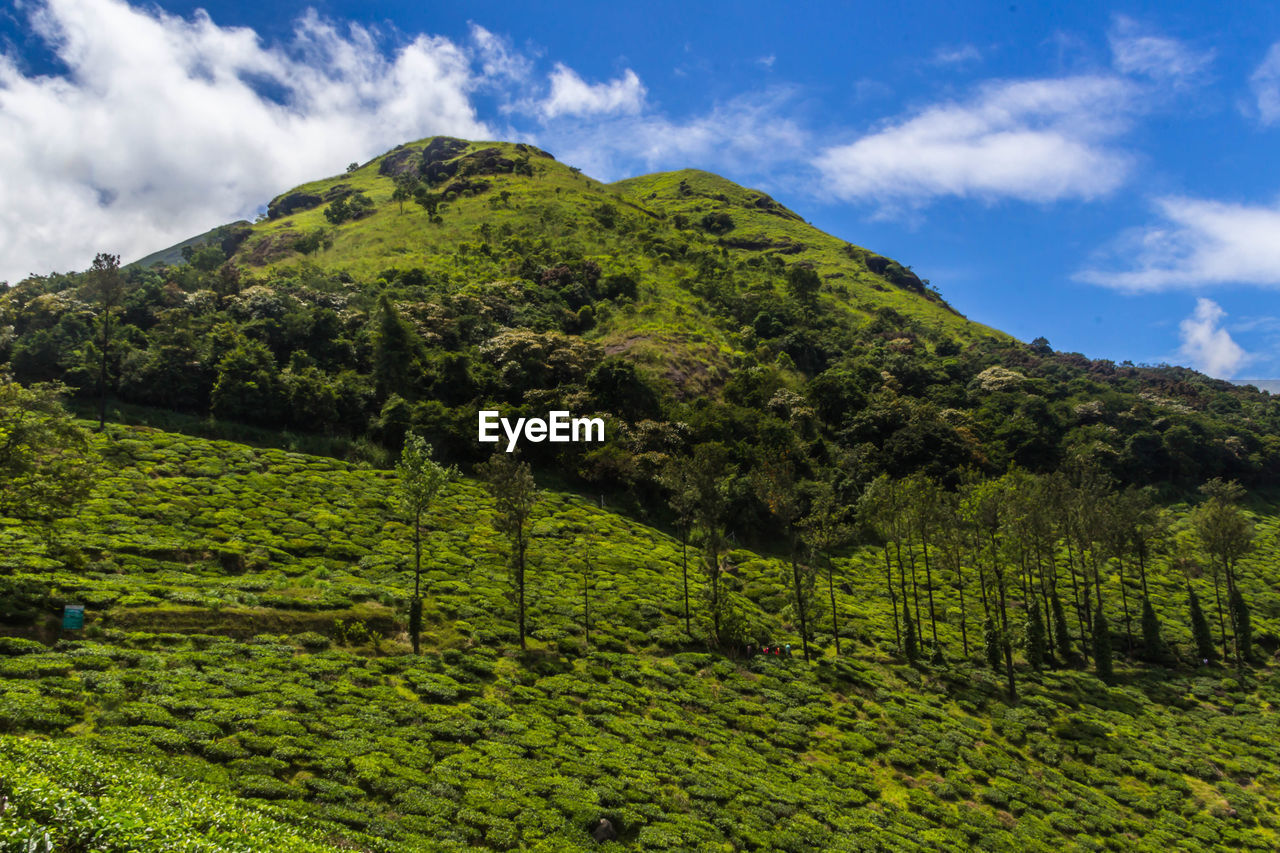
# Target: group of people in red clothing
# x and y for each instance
(780, 651)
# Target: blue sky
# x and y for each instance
(1100, 174)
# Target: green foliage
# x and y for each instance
(336, 736)
(45, 463)
(347, 208)
(765, 379)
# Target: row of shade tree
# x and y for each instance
(1041, 563)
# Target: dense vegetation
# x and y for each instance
(1027, 601)
(247, 634)
(685, 309)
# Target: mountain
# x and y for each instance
(678, 299)
(1026, 606)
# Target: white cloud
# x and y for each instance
(1266, 86)
(499, 62)
(961, 55)
(748, 134)
(1035, 140)
(1158, 57)
(1207, 345)
(1200, 243)
(572, 96)
(164, 126)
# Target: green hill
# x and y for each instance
(988, 547)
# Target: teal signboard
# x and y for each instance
(72, 617)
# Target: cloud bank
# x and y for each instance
(165, 126)
(1207, 345)
(1033, 140)
(1199, 242)
(1135, 51)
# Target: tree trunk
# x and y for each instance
(520, 588)
(1222, 622)
(102, 373)
(928, 579)
(416, 627)
(893, 599)
(684, 570)
(1124, 601)
(1006, 640)
(1075, 597)
(586, 604)
(804, 624)
(835, 617)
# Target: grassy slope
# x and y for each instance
(189, 540)
(668, 327)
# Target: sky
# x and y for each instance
(1100, 174)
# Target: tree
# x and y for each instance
(429, 201)
(397, 352)
(991, 502)
(679, 479)
(1200, 630)
(923, 500)
(775, 482)
(803, 284)
(106, 286)
(879, 509)
(825, 529)
(1102, 646)
(1226, 535)
(515, 495)
(46, 466)
(712, 480)
(406, 186)
(421, 481)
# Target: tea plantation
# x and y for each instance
(244, 682)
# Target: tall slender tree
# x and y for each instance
(682, 488)
(775, 483)
(515, 495)
(991, 499)
(712, 482)
(924, 498)
(878, 507)
(1226, 535)
(826, 529)
(106, 285)
(421, 481)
